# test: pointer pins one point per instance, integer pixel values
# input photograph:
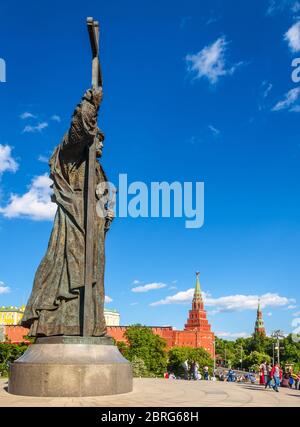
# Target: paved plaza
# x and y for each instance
(161, 392)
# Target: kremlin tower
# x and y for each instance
(259, 324)
(197, 321)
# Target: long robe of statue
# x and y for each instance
(55, 306)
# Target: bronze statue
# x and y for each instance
(68, 291)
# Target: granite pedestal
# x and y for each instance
(71, 367)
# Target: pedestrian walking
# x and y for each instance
(185, 366)
(276, 374)
(205, 373)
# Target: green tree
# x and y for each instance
(254, 360)
(149, 347)
(139, 368)
(9, 353)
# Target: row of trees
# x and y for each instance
(251, 352)
(151, 358)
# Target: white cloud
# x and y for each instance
(134, 303)
(297, 313)
(136, 282)
(228, 303)
(148, 287)
(4, 289)
(27, 115)
(269, 314)
(179, 298)
(292, 37)
(43, 159)
(56, 118)
(34, 204)
(277, 6)
(267, 88)
(232, 334)
(210, 62)
(214, 130)
(289, 99)
(291, 307)
(34, 129)
(107, 299)
(7, 163)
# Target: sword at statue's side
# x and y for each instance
(90, 187)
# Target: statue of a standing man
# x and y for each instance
(55, 306)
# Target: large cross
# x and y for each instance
(93, 29)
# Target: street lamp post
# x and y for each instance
(241, 357)
(277, 335)
(214, 344)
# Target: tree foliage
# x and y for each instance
(145, 345)
(9, 353)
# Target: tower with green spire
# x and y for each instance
(259, 323)
(197, 320)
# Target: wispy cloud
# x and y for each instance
(56, 118)
(43, 159)
(267, 87)
(184, 21)
(213, 20)
(278, 6)
(179, 298)
(216, 132)
(34, 129)
(27, 115)
(107, 299)
(149, 287)
(292, 37)
(4, 289)
(7, 163)
(228, 303)
(232, 335)
(136, 282)
(35, 204)
(211, 62)
(289, 99)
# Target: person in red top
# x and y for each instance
(276, 374)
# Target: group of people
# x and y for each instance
(270, 375)
(192, 371)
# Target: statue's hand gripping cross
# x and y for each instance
(93, 29)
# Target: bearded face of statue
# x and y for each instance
(99, 143)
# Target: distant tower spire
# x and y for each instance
(259, 323)
(197, 299)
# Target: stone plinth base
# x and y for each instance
(70, 367)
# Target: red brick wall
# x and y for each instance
(174, 338)
(15, 334)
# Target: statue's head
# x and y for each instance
(99, 143)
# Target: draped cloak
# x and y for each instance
(55, 306)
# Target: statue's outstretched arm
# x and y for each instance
(84, 120)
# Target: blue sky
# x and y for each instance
(193, 91)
